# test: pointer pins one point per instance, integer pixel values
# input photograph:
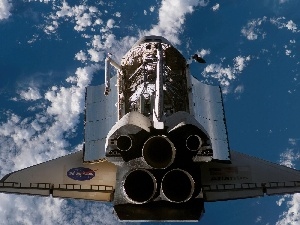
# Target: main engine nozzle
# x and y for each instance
(177, 186)
(193, 142)
(139, 186)
(159, 152)
(124, 142)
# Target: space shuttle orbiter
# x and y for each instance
(155, 145)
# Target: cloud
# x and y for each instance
(240, 63)
(288, 157)
(117, 14)
(171, 19)
(251, 31)
(288, 52)
(50, 211)
(292, 216)
(203, 3)
(203, 52)
(84, 16)
(95, 56)
(291, 26)
(81, 56)
(170, 24)
(151, 9)
(258, 219)
(255, 29)
(110, 23)
(216, 7)
(35, 139)
(293, 141)
(107, 43)
(239, 89)
(225, 75)
(43, 1)
(43, 136)
(280, 23)
(282, 199)
(30, 94)
(5, 7)
(283, 1)
(171, 16)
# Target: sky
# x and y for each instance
(50, 50)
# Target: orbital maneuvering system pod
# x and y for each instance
(155, 145)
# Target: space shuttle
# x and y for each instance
(155, 145)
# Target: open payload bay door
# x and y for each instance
(101, 114)
(247, 177)
(66, 177)
(207, 108)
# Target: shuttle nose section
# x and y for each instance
(158, 152)
(177, 186)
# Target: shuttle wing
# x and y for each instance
(64, 177)
(247, 177)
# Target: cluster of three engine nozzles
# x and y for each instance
(143, 185)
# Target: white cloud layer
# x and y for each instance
(253, 29)
(292, 215)
(28, 141)
(170, 24)
(216, 7)
(172, 17)
(32, 140)
(5, 7)
(291, 26)
(281, 22)
(31, 210)
(110, 23)
(224, 75)
(239, 89)
(288, 158)
(81, 56)
(151, 9)
(84, 16)
(31, 93)
(203, 52)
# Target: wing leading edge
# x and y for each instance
(65, 177)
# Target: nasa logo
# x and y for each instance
(81, 173)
